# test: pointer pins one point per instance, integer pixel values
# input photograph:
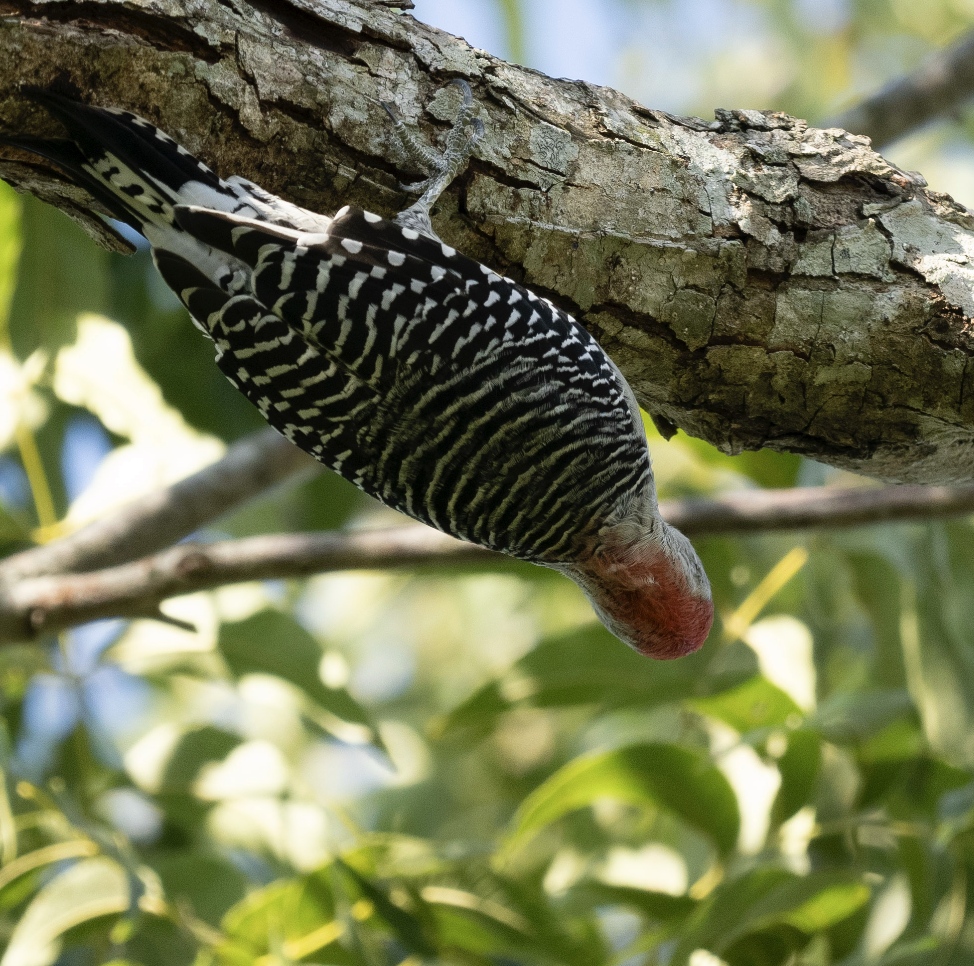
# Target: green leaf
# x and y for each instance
(798, 767)
(666, 776)
(392, 856)
(851, 717)
(725, 909)
(489, 928)
(768, 899)
(877, 584)
(9, 251)
(211, 885)
(477, 933)
(85, 891)
(478, 713)
(43, 315)
(660, 906)
(295, 917)
(766, 467)
(814, 903)
(756, 703)
(192, 751)
(586, 667)
(160, 942)
(12, 530)
(406, 926)
(923, 952)
(899, 741)
(270, 642)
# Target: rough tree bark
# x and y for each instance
(759, 282)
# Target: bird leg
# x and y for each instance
(441, 167)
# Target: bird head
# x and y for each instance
(648, 587)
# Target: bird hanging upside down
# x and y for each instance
(434, 384)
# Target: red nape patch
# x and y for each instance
(650, 607)
(671, 623)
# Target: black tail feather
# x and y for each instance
(62, 152)
(97, 133)
(134, 141)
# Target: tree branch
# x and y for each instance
(760, 283)
(942, 83)
(39, 605)
(159, 519)
(821, 508)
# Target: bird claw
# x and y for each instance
(442, 167)
(457, 149)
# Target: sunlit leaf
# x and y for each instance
(295, 917)
(10, 240)
(813, 903)
(388, 855)
(767, 898)
(87, 890)
(754, 704)
(271, 642)
(20, 404)
(99, 372)
(662, 776)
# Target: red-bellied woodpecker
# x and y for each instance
(431, 382)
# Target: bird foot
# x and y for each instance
(441, 167)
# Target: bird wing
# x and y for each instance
(381, 298)
(489, 403)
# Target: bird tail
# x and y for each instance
(135, 170)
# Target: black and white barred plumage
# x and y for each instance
(432, 383)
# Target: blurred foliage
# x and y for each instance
(410, 769)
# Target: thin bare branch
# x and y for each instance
(42, 604)
(819, 508)
(38, 605)
(157, 520)
(941, 84)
